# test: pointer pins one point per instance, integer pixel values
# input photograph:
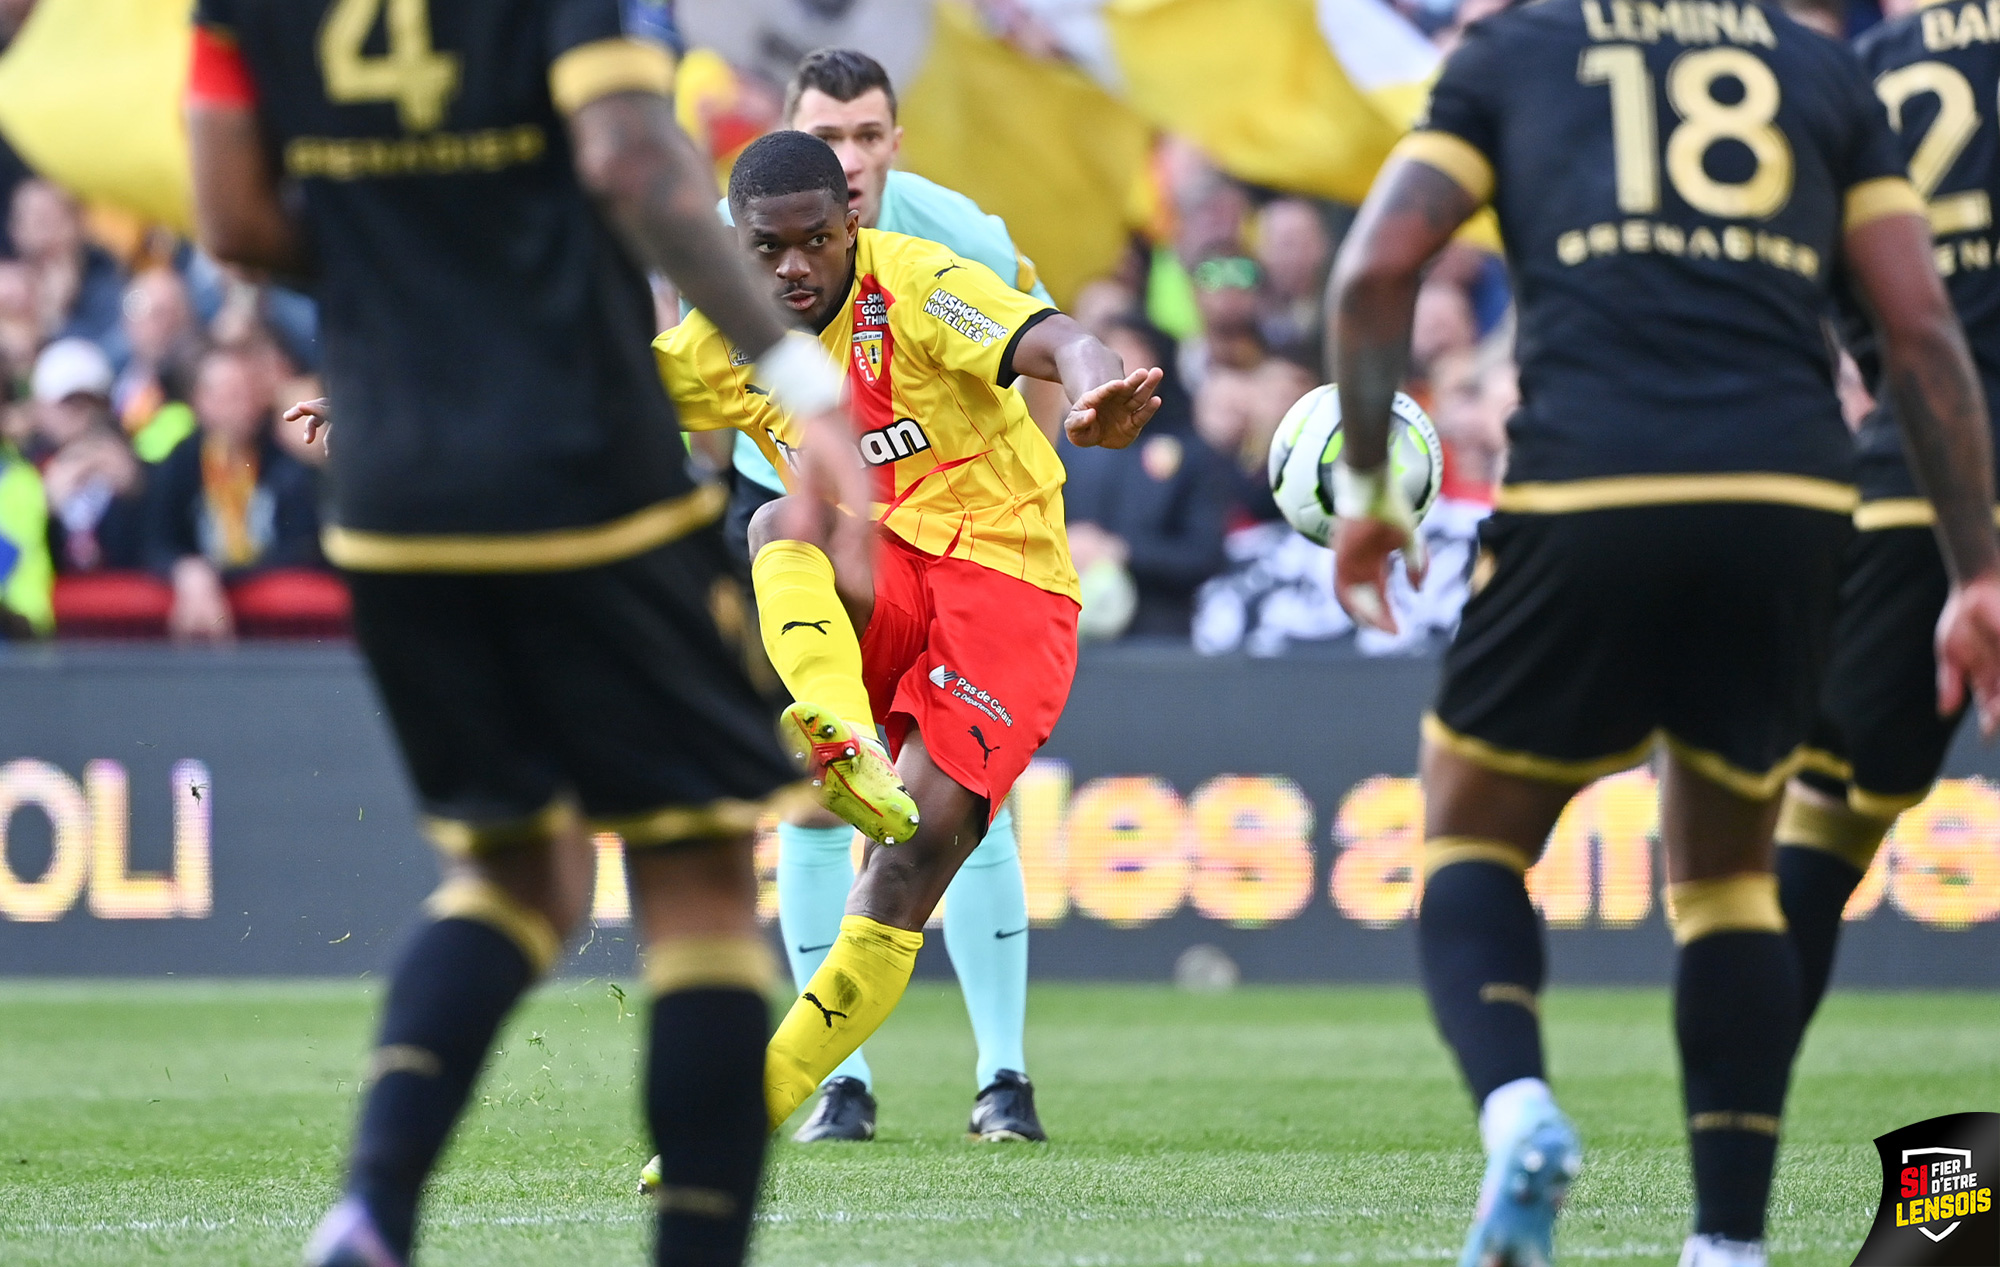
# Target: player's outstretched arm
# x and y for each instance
(1943, 412)
(1112, 406)
(660, 195)
(239, 215)
(1408, 218)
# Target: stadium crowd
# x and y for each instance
(146, 488)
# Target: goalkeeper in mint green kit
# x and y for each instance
(845, 99)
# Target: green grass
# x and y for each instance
(204, 1123)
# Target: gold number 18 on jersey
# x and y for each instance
(1704, 121)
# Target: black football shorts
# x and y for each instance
(1591, 635)
(1879, 732)
(625, 690)
(746, 498)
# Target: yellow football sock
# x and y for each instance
(855, 989)
(807, 633)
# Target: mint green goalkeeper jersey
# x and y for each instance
(921, 209)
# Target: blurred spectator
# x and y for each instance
(150, 396)
(95, 484)
(1295, 253)
(78, 288)
(228, 501)
(1443, 323)
(1238, 412)
(1155, 511)
(1102, 302)
(1225, 295)
(26, 576)
(1209, 212)
(20, 321)
(1474, 392)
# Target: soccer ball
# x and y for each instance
(1308, 441)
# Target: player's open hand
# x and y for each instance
(317, 414)
(1111, 415)
(1361, 550)
(1968, 650)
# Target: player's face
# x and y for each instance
(806, 241)
(864, 134)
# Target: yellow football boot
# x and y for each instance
(851, 772)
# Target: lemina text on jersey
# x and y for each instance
(1683, 21)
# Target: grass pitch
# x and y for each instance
(204, 1124)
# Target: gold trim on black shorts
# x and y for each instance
(561, 549)
(1748, 784)
(1529, 765)
(1561, 497)
(462, 839)
(718, 820)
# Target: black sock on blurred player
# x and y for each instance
(1481, 944)
(1813, 889)
(705, 1104)
(1736, 1016)
(456, 982)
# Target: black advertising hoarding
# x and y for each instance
(242, 813)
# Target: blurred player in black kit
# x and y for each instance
(471, 188)
(1881, 739)
(1677, 186)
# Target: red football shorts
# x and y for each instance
(979, 662)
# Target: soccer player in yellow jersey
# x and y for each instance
(964, 645)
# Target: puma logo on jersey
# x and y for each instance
(893, 443)
(987, 750)
(805, 624)
(947, 268)
(824, 1011)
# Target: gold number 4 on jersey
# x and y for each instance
(1950, 132)
(420, 80)
(1705, 120)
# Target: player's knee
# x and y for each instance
(1746, 902)
(783, 519)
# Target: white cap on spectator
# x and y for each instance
(71, 367)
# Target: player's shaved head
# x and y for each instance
(788, 195)
(782, 163)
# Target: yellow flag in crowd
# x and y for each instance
(90, 94)
(1036, 142)
(1255, 85)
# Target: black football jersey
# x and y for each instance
(486, 339)
(1938, 73)
(1672, 181)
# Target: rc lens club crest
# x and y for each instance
(1937, 1195)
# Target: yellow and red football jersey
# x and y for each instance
(926, 336)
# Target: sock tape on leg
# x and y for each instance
(1742, 903)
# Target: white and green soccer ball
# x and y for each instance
(1308, 441)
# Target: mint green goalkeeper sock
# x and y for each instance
(986, 933)
(815, 871)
